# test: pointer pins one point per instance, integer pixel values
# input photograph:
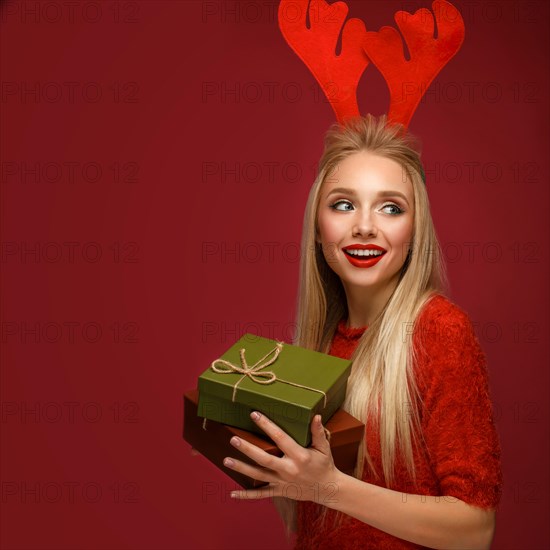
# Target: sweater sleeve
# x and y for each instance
(457, 415)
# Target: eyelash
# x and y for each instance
(341, 201)
(396, 206)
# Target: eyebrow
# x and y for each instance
(347, 191)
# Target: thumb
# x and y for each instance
(319, 438)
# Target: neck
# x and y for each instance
(365, 304)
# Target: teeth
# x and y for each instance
(357, 252)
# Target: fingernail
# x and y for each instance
(235, 441)
(234, 495)
(318, 420)
(255, 415)
(228, 462)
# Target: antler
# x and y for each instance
(409, 80)
(338, 75)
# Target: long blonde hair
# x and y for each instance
(381, 385)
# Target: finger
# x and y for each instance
(259, 474)
(318, 435)
(254, 494)
(194, 452)
(279, 437)
(256, 454)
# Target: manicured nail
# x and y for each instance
(255, 415)
(235, 441)
(228, 462)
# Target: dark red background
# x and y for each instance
(190, 258)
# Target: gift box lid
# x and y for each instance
(318, 372)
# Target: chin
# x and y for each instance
(370, 283)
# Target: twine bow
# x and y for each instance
(255, 372)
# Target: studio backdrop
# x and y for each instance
(156, 158)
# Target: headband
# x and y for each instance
(313, 35)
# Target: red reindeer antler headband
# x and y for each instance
(338, 75)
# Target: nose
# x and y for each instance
(364, 225)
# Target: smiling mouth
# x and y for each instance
(364, 257)
(363, 253)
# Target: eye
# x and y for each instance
(342, 206)
(392, 209)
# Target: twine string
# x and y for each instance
(256, 372)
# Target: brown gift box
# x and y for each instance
(213, 442)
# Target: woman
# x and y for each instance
(428, 472)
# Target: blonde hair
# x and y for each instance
(381, 386)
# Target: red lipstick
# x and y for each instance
(359, 259)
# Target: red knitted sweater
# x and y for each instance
(462, 454)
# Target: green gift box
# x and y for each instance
(289, 384)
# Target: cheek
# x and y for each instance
(405, 234)
(402, 236)
(323, 229)
(330, 229)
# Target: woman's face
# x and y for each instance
(365, 221)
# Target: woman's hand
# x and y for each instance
(310, 474)
(301, 474)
